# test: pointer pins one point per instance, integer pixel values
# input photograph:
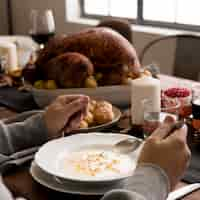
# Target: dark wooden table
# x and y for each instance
(21, 183)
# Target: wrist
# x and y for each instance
(47, 129)
(50, 127)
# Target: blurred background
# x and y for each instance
(150, 19)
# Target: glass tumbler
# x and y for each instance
(152, 120)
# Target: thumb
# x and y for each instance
(180, 134)
(163, 130)
(74, 122)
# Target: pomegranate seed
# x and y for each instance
(177, 92)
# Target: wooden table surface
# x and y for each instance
(21, 183)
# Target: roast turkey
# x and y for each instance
(70, 59)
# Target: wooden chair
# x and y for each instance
(177, 55)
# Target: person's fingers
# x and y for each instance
(75, 106)
(179, 138)
(180, 134)
(169, 119)
(163, 130)
(65, 99)
(74, 122)
(84, 111)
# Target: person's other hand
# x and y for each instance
(170, 152)
(65, 114)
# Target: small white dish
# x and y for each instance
(54, 157)
(117, 115)
(70, 187)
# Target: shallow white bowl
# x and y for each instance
(49, 154)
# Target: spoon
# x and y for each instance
(127, 145)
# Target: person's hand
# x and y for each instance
(65, 114)
(170, 152)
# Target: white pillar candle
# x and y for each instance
(144, 88)
(8, 51)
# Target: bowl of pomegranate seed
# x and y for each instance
(183, 95)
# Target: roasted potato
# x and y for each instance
(89, 118)
(50, 85)
(39, 84)
(83, 124)
(90, 82)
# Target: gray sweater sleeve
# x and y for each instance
(149, 182)
(18, 136)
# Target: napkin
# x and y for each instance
(17, 159)
(16, 100)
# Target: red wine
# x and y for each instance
(42, 38)
(196, 108)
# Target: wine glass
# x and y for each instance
(42, 26)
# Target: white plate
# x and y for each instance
(71, 187)
(117, 95)
(51, 156)
(117, 115)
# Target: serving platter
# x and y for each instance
(58, 149)
(118, 95)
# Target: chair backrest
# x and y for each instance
(175, 55)
(121, 26)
